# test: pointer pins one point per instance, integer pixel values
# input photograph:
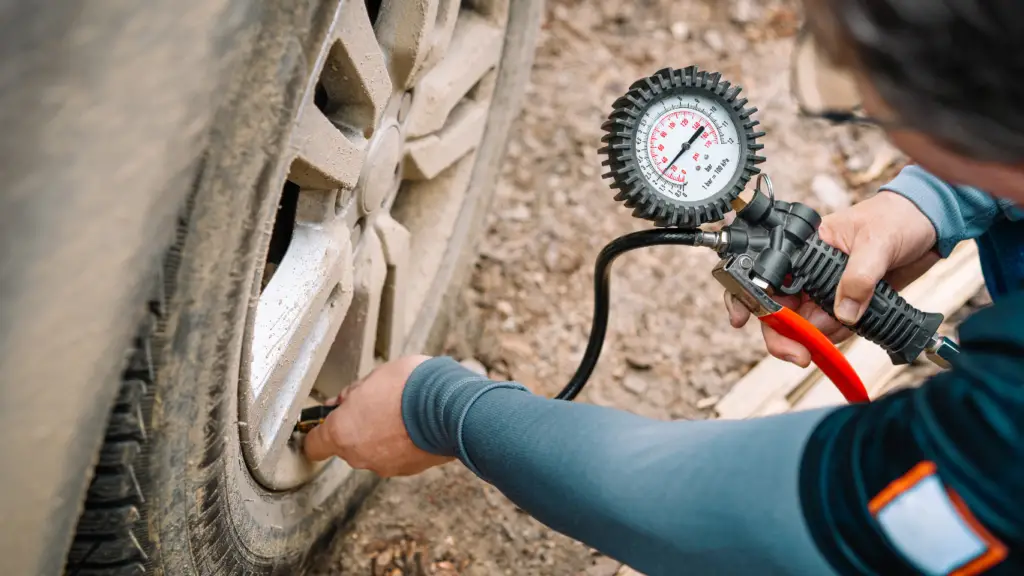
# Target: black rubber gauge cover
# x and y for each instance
(621, 154)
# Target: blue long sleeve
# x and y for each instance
(709, 497)
(958, 213)
(819, 492)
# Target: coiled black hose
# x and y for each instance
(602, 287)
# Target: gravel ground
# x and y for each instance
(670, 352)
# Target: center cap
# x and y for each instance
(382, 171)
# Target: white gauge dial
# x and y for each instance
(688, 147)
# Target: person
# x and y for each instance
(928, 480)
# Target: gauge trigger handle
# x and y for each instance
(734, 273)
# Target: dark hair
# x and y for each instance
(953, 69)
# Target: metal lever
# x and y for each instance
(736, 275)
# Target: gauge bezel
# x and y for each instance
(621, 129)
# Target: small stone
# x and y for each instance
(640, 361)
(681, 31)
(857, 163)
(744, 12)
(560, 261)
(715, 41)
(635, 384)
(515, 348)
(384, 558)
(517, 214)
(474, 365)
(504, 307)
(708, 402)
(603, 566)
(830, 192)
(551, 257)
(515, 149)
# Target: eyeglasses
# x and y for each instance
(825, 91)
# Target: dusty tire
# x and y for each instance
(106, 108)
(172, 493)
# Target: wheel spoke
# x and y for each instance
(353, 357)
(296, 320)
(355, 75)
(475, 48)
(394, 239)
(429, 156)
(441, 37)
(325, 158)
(430, 211)
(405, 29)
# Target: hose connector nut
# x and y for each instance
(941, 351)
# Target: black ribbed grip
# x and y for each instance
(902, 330)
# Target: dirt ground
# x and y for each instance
(670, 352)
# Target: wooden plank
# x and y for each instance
(945, 288)
(773, 384)
(766, 382)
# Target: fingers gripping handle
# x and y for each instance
(900, 329)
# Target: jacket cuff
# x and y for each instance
(435, 401)
(958, 213)
(935, 205)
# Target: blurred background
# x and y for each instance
(670, 351)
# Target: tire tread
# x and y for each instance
(110, 537)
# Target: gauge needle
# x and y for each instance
(686, 146)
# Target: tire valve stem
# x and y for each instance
(312, 417)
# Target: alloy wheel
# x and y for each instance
(379, 172)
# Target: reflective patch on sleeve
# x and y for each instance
(932, 528)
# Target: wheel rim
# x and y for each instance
(380, 165)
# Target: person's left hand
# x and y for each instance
(367, 429)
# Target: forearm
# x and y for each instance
(715, 497)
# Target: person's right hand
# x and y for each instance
(367, 429)
(887, 237)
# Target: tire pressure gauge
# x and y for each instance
(681, 146)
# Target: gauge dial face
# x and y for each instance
(688, 147)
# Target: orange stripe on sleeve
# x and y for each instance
(901, 485)
(996, 552)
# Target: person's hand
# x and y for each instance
(887, 237)
(367, 430)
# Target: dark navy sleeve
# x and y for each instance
(667, 498)
(931, 479)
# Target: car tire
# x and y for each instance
(171, 491)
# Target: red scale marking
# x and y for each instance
(670, 124)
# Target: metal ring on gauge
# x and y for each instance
(768, 182)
